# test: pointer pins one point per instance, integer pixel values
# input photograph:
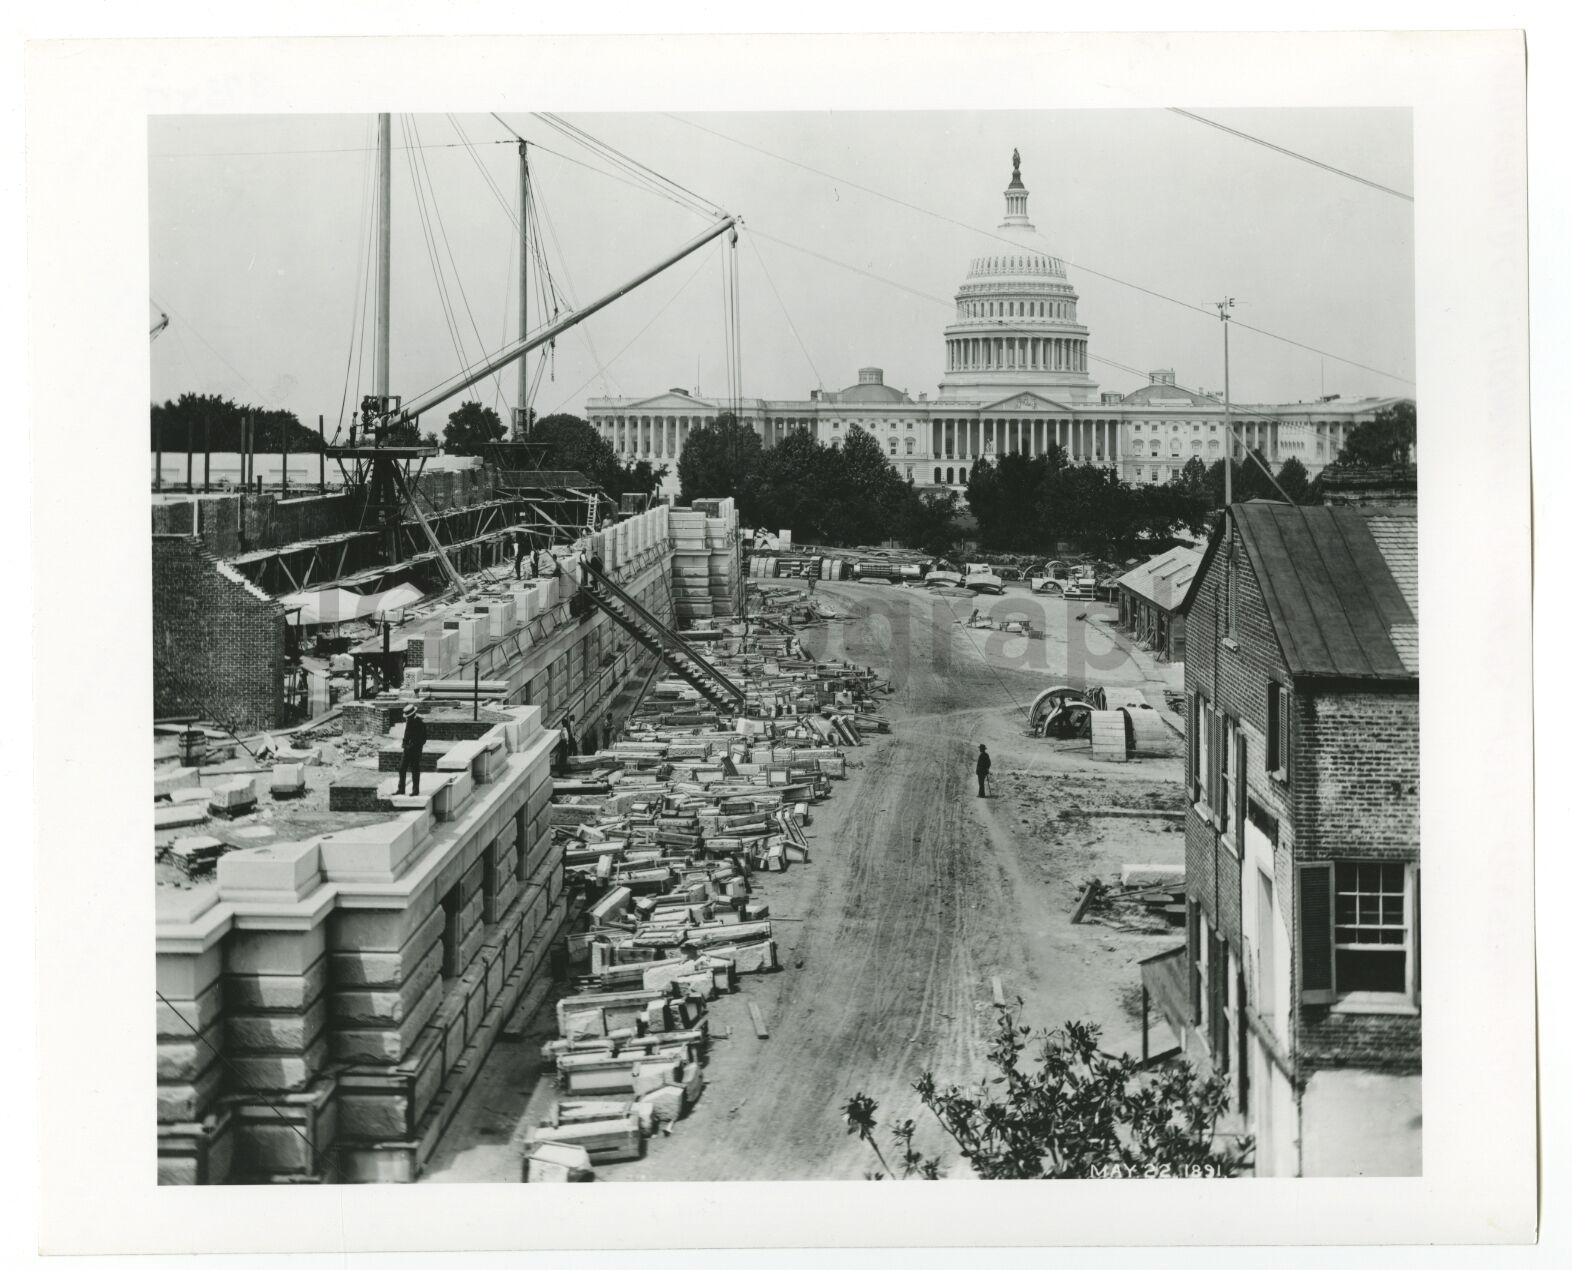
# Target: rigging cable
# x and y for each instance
(458, 279)
(362, 274)
(429, 238)
(786, 313)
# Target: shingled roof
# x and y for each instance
(1340, 586)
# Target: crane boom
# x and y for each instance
(163, 321)
(512, 352)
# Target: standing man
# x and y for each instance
(520, 550)
(983, 764)
(414, 746)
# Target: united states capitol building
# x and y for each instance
(1015, 381)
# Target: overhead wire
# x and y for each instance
(1292, 154)
(697, 269)
(785, 312)
(950, 220)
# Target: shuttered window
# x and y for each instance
(1278, 714)
(1315, 934)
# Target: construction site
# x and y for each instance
(508, 831)
(685, 864)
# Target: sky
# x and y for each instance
(857, 230)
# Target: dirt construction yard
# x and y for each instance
(918, 897)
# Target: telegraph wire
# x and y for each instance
(785, 312)
(1292, 154)
(950, 220)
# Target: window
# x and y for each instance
(938, 476)
(893, 445)
(1231, 783)
(1359, 928)
(911, 443)
(1278, 713)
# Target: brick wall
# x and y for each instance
(1354, 794)
(218, 643)
(1356, 785)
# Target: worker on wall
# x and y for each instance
(414, 746)
(984, 763)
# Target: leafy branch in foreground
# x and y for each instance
(1078, 1113)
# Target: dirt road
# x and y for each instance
(919, 894)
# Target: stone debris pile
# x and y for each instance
(665, 836)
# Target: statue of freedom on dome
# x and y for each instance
(1015, 158)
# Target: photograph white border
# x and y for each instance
(87, 175)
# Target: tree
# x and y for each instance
(1250, 480)
(471, 428)
(1191, 478)
(1294, 480)
(1079, 1114)
(720, 460)
(928, 523)
(210, 421)
(576, 445)
(1385, 441)
(791, 485)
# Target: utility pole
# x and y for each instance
(521, 424)
(1223, 306)
(384, 249)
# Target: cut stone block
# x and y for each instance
(233, 793)
(289, 780)
(195, 794)
(376, 850)
(177, 817)
(603, 1140)
(285, 868)
(558, 1162)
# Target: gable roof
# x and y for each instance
(1164, 580)
(1341, 595)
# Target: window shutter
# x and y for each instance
(1417, 962)
(1283, 713)
(1192, 744)
(1239, 808)
(1315, 934)
(1193, 937)
(1214, 758)
(1218, 963)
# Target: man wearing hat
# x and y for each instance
(414, 744)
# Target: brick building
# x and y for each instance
(218, 640)
(1300, 977)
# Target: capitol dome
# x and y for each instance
(1016, 327)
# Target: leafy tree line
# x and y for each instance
(843, 495)
(1028, 504)
(573, 445)
(209, 421)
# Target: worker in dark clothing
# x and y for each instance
(566, 745)
(983, 764)
(414, 747)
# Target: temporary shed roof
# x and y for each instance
(1164, 580)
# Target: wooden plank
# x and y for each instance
(1092, 891)
(760, 1027)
